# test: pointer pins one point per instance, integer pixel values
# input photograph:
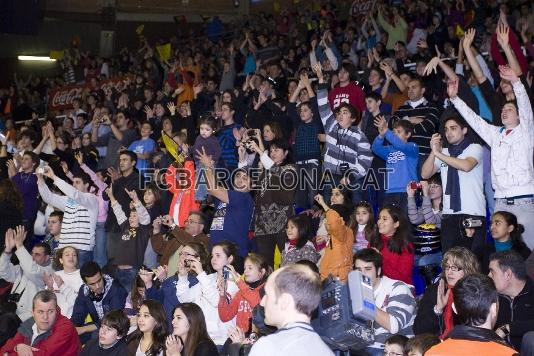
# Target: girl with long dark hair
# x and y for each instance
(189, 336)
(149, 338)
(393, 241)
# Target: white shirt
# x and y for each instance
(296, 339)
(471, 183)
(68, 292)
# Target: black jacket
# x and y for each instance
(426, 321)
(131, 182)
(92, 348)
(473, 333)
(519, 313)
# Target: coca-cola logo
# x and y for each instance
(62, 98)
(65, 97)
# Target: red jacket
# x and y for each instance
(183, 197)
(241, 305)
(61, 340)
(397, 266)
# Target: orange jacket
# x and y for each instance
(457, 347)
(183, 198)
(241, 305)
(337, 258)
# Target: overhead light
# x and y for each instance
(36, 58)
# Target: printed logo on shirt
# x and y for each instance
(218, 219)
(395, 157)
(340, 99)
(244, 307)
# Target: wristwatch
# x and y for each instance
(436, 311)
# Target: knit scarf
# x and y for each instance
(453, 180)
(448, 316)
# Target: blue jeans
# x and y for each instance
(201, 189)
(151, 258)
(126, 277)
(84, 256)
(101, 249)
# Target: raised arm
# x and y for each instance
(209, 166)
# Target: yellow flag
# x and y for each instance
(139, 29)
(57, 54)
(459, 31)
(172, 148)
(276, 6)
(164, 51)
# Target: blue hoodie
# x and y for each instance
(401, 158)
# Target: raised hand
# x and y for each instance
(386, 68)
(149, 112)
(381, 124)
(468, 39)
(205, 159)
(443, 296)
(318, 70)
(49, 172)
(435, 143)
(48, 281)
(172, 108)
(10, 240)
(65, 167)
(19, 236)
(11, 168)
(132, 194)
(173, 345)
(113, 174)
(502, 35)
(58, 280)
(432, 66)
(508, 74)
(161, 272)
(109, 192)
(452, 88)
(425, 187)
(320, 200)
(79, 157)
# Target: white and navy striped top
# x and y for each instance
(343, 145)
(80, 212)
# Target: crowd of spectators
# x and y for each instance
(191, 203)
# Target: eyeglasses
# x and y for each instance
(186, 254)
(189, 221)
(452, 268)
(392, 353)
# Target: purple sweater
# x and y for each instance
(27, 184)
(211, 146)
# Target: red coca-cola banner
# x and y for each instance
(61, 98)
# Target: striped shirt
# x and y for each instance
(424, 130)
(395, 298)
(228, 145)
(343, 145)
(80, 212)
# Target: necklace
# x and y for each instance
(145, 348)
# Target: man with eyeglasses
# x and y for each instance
(98, 295)
(394, 301)
(166, 244)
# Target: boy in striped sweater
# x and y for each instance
(348, 152)
(80, 211)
